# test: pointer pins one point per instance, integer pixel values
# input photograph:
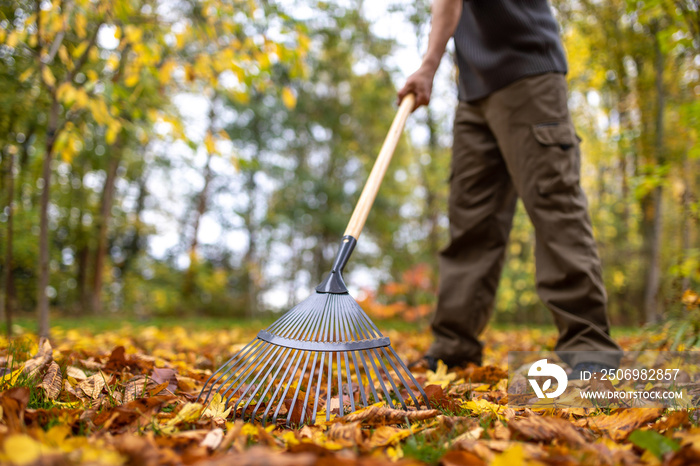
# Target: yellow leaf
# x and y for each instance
(217, 408)
(112, 132)
(11, 378)
(81, 25)
(22, 449)
(63, 54)
(26, 75)
(190, 412)
(288, 98)
(133, 34)
(209, 143)
(80, 49)
(12, 39)
(440, 376)
(249, 429)
(48, 76)
(513, 455)
(388, 435)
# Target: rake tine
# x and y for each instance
(260, 350)
(359, 331)
(283, 354)
(284, 393)
(396, 371)
(328, 392)
(318, 388)
(381, 382)
(220, 369)
(346, 329)
(388, 376)
(336, 337)
(308, 391)
(272, 351)
(410, 375)
(296, 391)
(243, 361)
(295, 356)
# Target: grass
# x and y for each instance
(96, 324)
(423, 448)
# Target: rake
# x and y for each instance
(326, 346)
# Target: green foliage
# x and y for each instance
(654, 442)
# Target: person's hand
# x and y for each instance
(419, 83)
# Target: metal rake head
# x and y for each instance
(324, 354)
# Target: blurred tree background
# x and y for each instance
(202, 157)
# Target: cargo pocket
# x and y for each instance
(559, 157)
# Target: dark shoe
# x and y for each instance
(426, 363)
(590, 367)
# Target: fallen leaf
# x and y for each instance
(546, 429)
(440, 376)
(93, 385)
(460, 458)
(161, 375)
(377, 414)
(346, 434)
(40, 360)
(52, 382)
(117, 360)
(217, 408)
(77, 374)
(619, 425)
(13, 402)
(213, 439)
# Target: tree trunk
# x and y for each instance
(8, 307)
(133, 246)
(43, 281)
(188, 286)
(686, 214)
(653, 279)
(102, 229)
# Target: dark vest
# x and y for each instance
(500, 41)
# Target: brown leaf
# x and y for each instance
(261, 456)
(347, 435)
(546, 429)
(437, 397)
(52, 382)
(619, 425)
(671, 421)
(486, 374)
(688, 454)
(125, 415)
(142, 451)
(13, 403)
(161, 375)
(460, 458)
(377, 415)
(93, 385)
(117, 360)
(40, 360)
(158, 388)
(297, 411)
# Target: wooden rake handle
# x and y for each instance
(369, 192)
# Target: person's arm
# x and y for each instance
(445, 16)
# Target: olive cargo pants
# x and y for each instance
(519, 142)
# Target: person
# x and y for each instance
(513, 138)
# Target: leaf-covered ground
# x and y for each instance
(128, 396)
